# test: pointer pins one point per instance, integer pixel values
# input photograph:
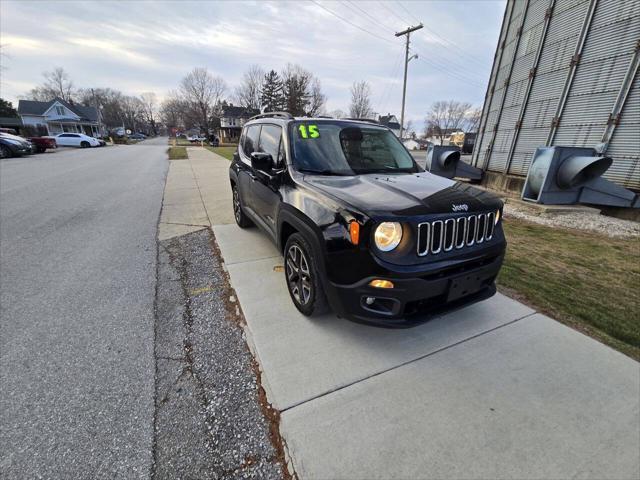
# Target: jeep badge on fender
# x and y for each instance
(362, 228)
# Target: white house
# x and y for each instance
(58, 116)
(390, 121)
(411, 144)
(232, 120)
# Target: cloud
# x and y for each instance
(142, 46)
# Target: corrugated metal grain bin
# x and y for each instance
(565, 73)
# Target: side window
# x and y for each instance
(250, 144)
(270, 141)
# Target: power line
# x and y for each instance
(351, 23)
(403, 20)
(375, 21)
(445, 65)
(385, 97)
(408, 12)
(448, 70)
(463, 52)
(451, 65)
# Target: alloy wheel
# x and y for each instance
(298, 275)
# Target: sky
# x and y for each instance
(139, 46)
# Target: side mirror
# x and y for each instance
(262, 161)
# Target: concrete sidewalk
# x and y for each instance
(494, 390)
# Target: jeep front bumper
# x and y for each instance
(417, 299)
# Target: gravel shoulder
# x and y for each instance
(212, 420)
(585, 221)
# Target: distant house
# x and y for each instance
(232, 120)
(58, 116)
(415, 143)
(440, 137)
(390, 121)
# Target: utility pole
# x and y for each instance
(406, 32)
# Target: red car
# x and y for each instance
(42, 143)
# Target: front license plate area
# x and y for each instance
(464, 285)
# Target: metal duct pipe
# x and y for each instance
(578, 170)
(448, 159)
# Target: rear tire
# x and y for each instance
(40, 150)
(303, 280)
(5, 152)
(84, 144)
(241, 218)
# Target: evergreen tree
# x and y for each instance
(6, 109)
(271, 93)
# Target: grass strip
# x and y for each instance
(177, 153)
(585, 280)
(226, 152)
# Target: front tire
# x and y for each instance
(241, 218)
(84, 144)
(303, 280)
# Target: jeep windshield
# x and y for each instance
(339, 148)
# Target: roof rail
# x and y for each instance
(286, 115)
(369, 120)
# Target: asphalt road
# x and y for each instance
(77, 288)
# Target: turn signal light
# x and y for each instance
(354, 232)
(378, 283)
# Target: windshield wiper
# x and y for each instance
(321, 172)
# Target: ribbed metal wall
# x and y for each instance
(558, 71)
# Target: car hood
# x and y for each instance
(405, 194)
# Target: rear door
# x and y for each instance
(246, 176)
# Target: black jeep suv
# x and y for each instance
(360, 224)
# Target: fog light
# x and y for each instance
(377, 283)
(369, 300)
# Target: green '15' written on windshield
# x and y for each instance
(308, 131)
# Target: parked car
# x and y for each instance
(137, 136)
(43, 143)
(362, 227)
(14, 146)
(76, 140)
(197, 138)
(214, 141)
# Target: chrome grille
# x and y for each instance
(454, 233)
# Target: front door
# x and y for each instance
(266, 196)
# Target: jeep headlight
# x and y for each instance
(388, 235)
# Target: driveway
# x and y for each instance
(78, 266)
(494, 390)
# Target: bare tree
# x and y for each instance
(150, 110)
(337, 113)
(172, 111)
(360, 100)
(473, 117)
(317, 99)
(249, 92)
(57, 83)
(132, 112)
(202, 92)
(446, 117)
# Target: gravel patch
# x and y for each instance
(588, 221)
(209, 420)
